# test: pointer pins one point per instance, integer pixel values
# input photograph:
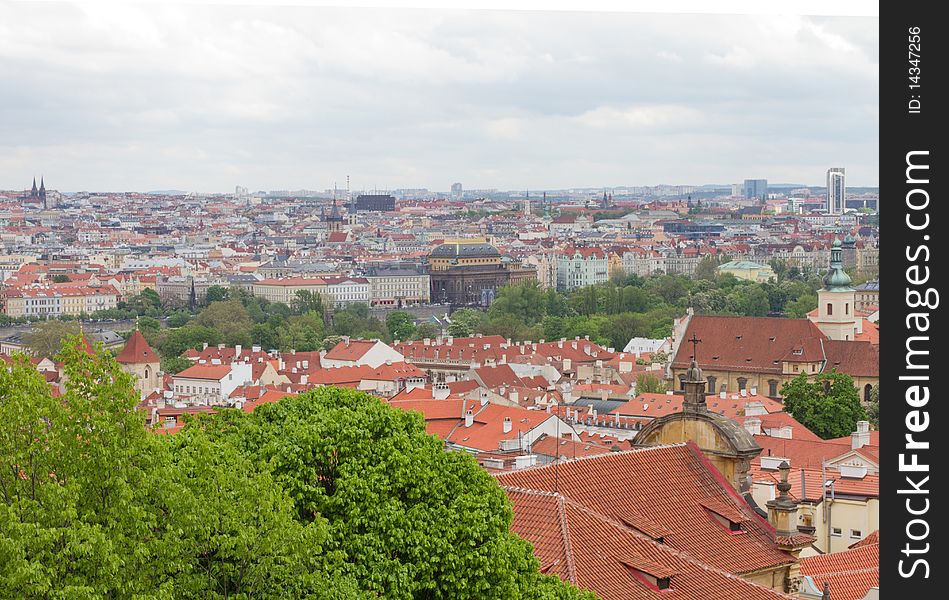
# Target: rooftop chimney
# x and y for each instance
(754, 391)
(508, 425)
(860, 437)
(469, 418)
(753, 425)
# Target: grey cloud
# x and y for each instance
(207, 97)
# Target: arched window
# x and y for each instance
(147, 373)
(681, 382)
(830, 308)
(847, 308)
(711, 384)
(867, 391)
(773, 388)
(742, 382)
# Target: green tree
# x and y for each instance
(45, 339)
(61, 278)
(175, 364)
(305, 301)
(93, 506)
(400, 325)
(178, 340)
(425, 330)
(217, 293)
(706, 269)
(408, 519)
(647, 383)
(464, 322)
(229, 319)
(523, 301)
(829, 406)
(800, 307)
(873, 406)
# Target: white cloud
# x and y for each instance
(206, 97)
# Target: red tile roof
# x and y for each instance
(213, 372)
(858, 359)
(137, 351)
(751, 344)
(668, 485)
(850, 574)
(497, 376)
(800, 453)
(351, 351)
(603, 554)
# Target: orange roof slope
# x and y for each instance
(850, 574)
(672, 486)
(351, 350)
(608, 557)
(752, 344)
(137, 351)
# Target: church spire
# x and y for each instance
(33, 191)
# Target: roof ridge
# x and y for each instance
(565, 535)
(684, 555)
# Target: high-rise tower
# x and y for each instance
(836, 191)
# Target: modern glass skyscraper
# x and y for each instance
(836, 191)
(756, 188)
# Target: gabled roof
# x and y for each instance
(211, 372)
(137, 351)
(670, 486)
(350, 350)
(602, 554)
(751, 344)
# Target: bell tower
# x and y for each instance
(835, 301)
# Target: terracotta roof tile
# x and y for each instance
(602, 554)
(668, 485)
(850, 574)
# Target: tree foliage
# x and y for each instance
(400, 325)
(45, 339)
(464, 322)
(829, 406)
(332, 494)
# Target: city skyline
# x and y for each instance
(204, 98)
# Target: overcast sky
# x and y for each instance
(145, 97)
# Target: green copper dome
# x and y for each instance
(836, 279)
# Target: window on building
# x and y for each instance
(711, 384)
(773, 387)
(742, 382)
(836, 532)
(830, 308)
(855, 534)
(847, 308)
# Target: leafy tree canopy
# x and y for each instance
(829, 406)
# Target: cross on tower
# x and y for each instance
(695, 342)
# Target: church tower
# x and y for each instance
(835, 301)
(138, 359)
(334, 222)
